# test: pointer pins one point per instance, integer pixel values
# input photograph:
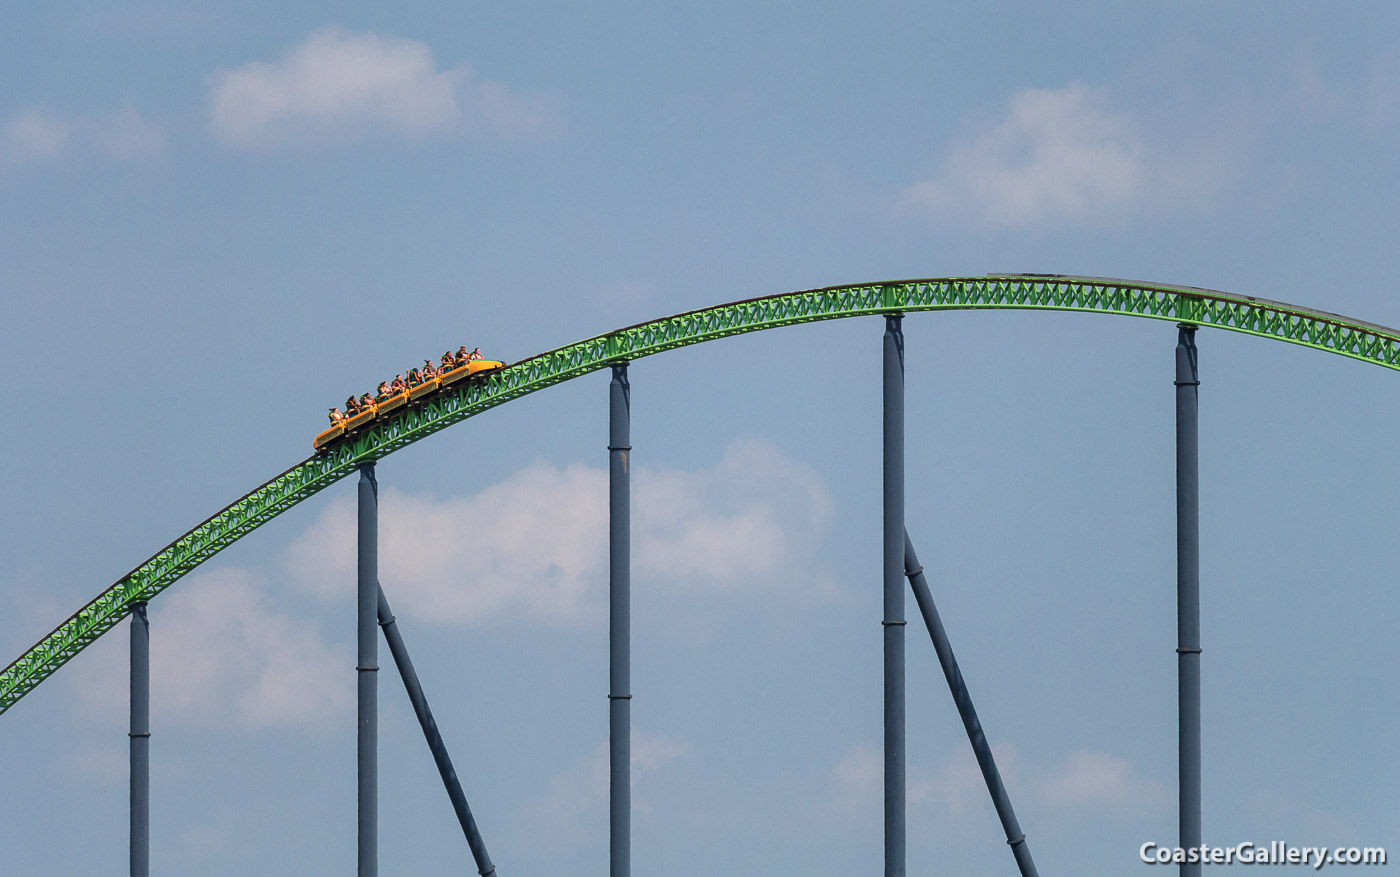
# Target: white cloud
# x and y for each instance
(861, 770)
(536, 543)
(959, 783)
(31, 136)
(1370, 102)
(206, 841)
(339, 84)
(533, 543)
(1311, 95)
(576, 799)
(1057, 155)
(1084, 779)
(860, 778)
(221, 655)
(744, 520)
(39, 135)
(1094, 779)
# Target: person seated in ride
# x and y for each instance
(381, 392)
(448, 363)
(462, 355)
(475, 355)
(366, 402)
(336, 417)
(414, 379)
(352, 407)
(429, 370)
(398, 386)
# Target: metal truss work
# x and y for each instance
(1254, 316)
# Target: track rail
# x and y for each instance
(1204, 307)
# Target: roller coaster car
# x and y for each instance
(471, 368)
(359, 420)
(328, 436)
(398, 400)
(423, 389)
(340, 429)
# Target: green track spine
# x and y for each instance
(1268, 319)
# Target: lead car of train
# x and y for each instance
(399, 400)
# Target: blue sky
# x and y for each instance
(215, 222)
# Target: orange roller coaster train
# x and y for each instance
(413, 391)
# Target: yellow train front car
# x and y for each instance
(330, 435)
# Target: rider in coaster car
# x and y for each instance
(398, 386)
(366, 402)
(381, 392)
(352, 406)
(336, 417)
(475, 355)
(447, 364)
(462, 355)
(429, 370)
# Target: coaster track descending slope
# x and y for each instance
(1269, 319)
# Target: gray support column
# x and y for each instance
(619, 624)
(140, 738)
(894, 594)
(963, 698)
(1188, 596)
(367, 667)
(430, 731)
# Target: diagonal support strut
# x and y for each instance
(1014, 836)
(435, 744)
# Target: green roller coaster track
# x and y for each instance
(1203, 307)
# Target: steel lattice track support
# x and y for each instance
(367, 674)
(893, 587)
(1188, 597)
(140, 742)
(619, 624)
(1202, 307)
